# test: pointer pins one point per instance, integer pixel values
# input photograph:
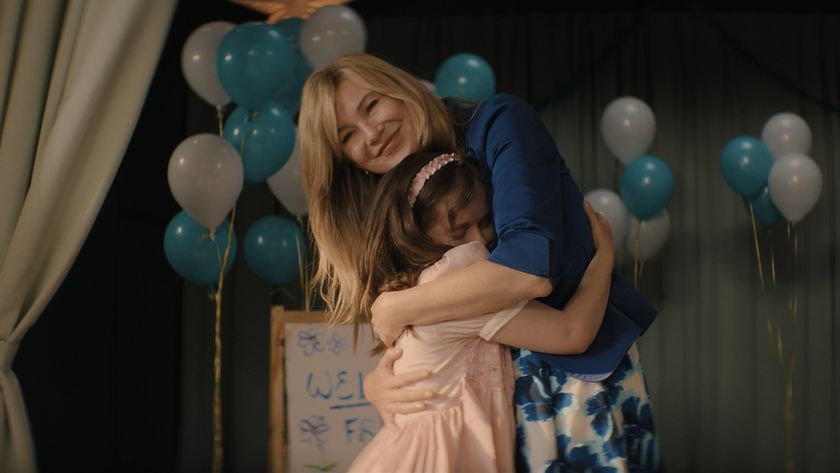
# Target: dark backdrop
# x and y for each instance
(116, 373)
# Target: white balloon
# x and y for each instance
(206, 176)
(795, 184)
(330, 32)
(628, 127)
(786, 133)
(610, 205)
(287, 184)
(198, 61)
(653, 234)
(429, 85)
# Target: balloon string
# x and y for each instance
(220, 119)
(616, 172)
(793, 307)
(305, 285)
(772, 258)
(795, 275)
(218, 452)
(302, 272)
(790, 461)
(636, 258)
(757, 248)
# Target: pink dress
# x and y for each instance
(469, 426)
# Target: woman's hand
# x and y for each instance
(385, 318)
(601, 232)
(386, 391)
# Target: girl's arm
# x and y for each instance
(482, 287)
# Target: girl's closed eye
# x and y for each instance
(458, 235)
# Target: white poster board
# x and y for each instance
(328, 418)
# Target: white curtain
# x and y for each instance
(73, 78)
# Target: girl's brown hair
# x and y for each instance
(338, 193)
(397, 245)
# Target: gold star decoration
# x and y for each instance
(279, 10)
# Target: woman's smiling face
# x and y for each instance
(376, 131)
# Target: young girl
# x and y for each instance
(430, 217)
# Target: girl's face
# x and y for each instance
(375, 131)
(471, 223)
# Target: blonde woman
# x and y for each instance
(359, 117)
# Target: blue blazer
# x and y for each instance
(541, 226)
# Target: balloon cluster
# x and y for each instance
(262, 69)
(638, 217)
(774, 175)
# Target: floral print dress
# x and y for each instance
(565, 424)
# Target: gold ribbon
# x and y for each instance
(218, 448)
(757, 248)
(790, 372)
(303, 269)
(772, 257)
(637, 260)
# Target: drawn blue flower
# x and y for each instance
(336, 343)
(310, 341)
(313, 429)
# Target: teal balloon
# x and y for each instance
(192, 254)
(271, 249)
(254, 62)
(264, 138)
(647, 184)
(764, 209)
(291, 30)
(465, 76)
(745, 164)
(289, 95)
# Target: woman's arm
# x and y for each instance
(571, 330)
(482, 287)
(386, 391)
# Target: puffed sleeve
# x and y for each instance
(527, 178)
(484, 325)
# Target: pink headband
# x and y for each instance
(425, 173)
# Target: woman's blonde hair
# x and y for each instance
(338, 193)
